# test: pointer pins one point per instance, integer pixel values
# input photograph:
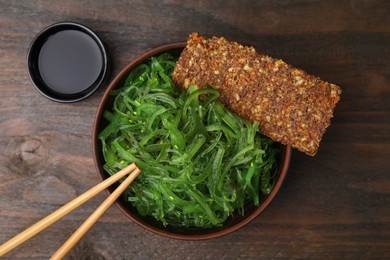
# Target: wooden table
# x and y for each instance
(334, 205)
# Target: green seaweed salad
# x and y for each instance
(199, 161)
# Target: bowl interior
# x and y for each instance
(233, 223)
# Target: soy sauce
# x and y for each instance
(70, 61)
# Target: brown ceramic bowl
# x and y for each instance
(233, 223)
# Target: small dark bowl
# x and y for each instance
(93, 48)
(233, 223)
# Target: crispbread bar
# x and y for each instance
(292, 106)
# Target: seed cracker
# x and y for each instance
(292, 106)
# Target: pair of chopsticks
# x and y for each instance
(70, 206)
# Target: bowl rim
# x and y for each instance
(286, 158)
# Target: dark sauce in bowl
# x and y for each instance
(67, 62)
(70, 61)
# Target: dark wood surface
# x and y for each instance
(334, 205)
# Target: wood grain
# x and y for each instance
(335, 205)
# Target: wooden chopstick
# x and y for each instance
(59, 213)
(91, 220)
